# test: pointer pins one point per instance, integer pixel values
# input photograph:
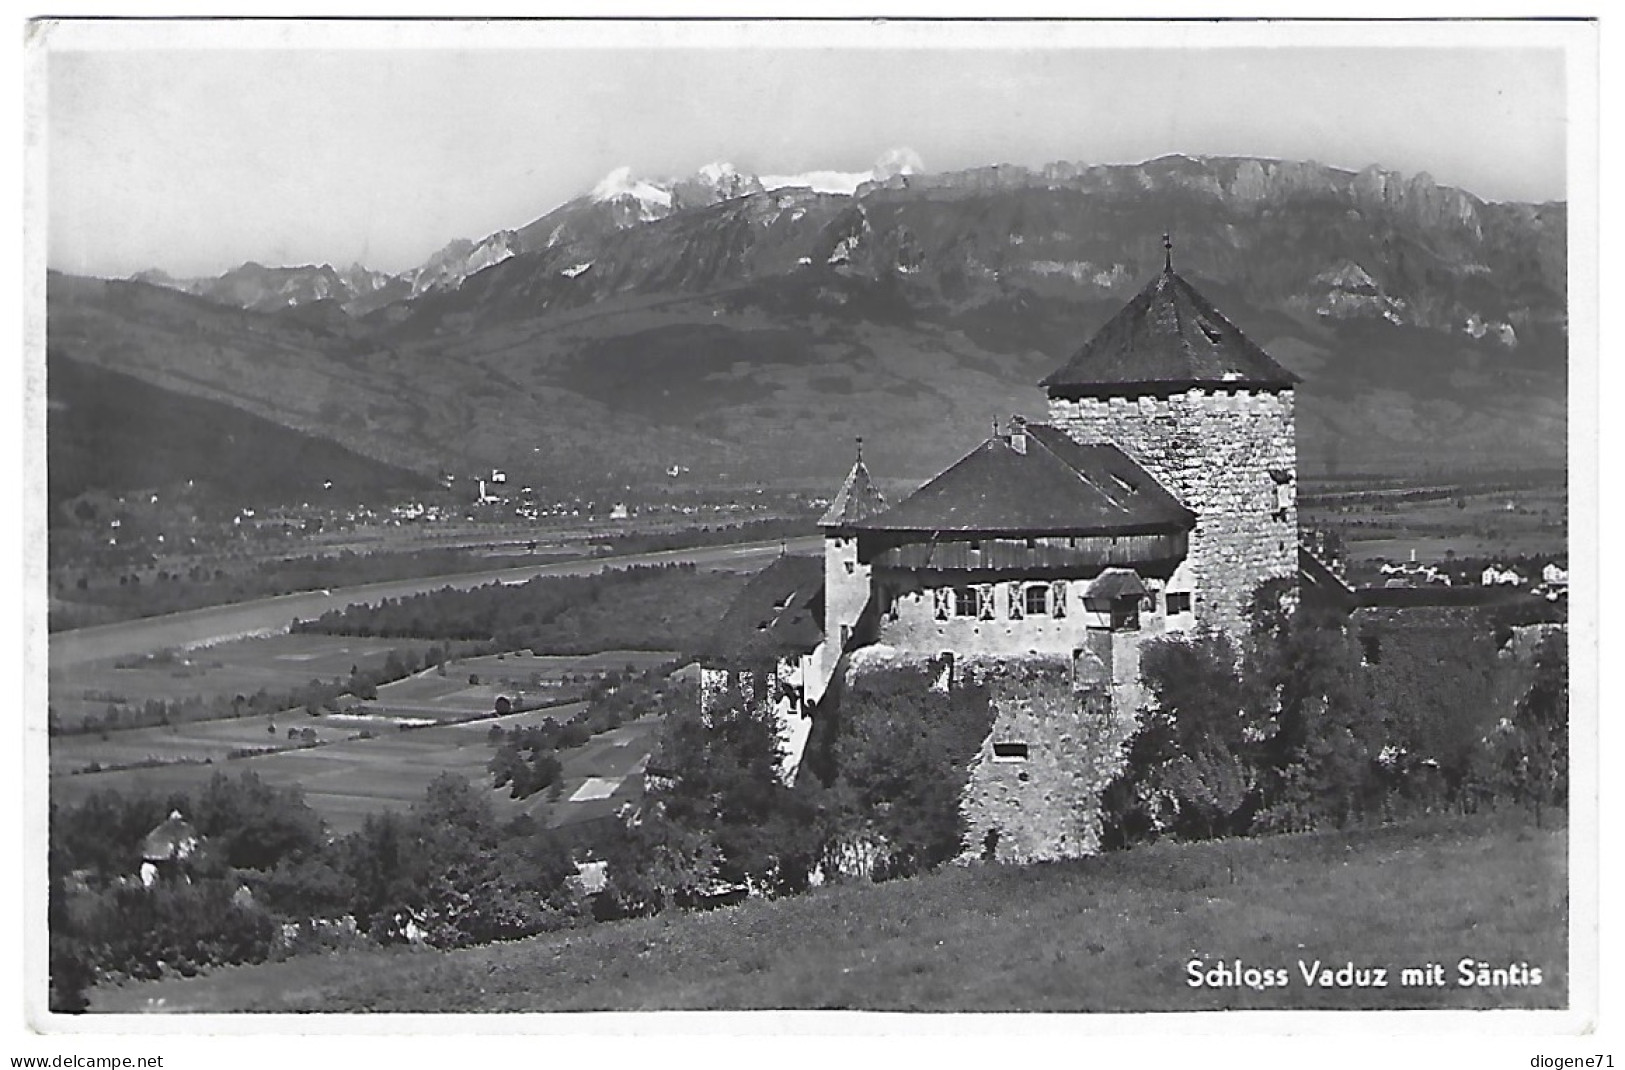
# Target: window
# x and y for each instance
(1371, 647)
(1037, 600)
(1283, 492)
(1126, 613)
(1179, 602)
(965, 602)
(1009, 752)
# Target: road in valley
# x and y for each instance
(270, 615)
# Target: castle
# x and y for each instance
(1155, 499)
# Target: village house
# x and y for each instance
(1494, 575)
(1156, 498)
(168, 849)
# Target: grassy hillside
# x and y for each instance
(1114, 933)
(111, 431)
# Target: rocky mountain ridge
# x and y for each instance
(1430, 238)
(745, 332)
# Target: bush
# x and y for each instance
(140, 932)
(1528, 755)
(899, 763)
(722, 820)
(1190, 769)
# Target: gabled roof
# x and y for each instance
(779, 613)
(1046, 485)
(173, 840)
(1115, 583)
(857, 500)
(1169, 337)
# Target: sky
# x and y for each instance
(194, 152)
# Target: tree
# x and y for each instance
(1531, 750)
(723, 817)
(900, 761)
(1439, 692)
(1324, 735)
(252, 825)
(308, 886)
(1192, 764)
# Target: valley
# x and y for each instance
(432, 555)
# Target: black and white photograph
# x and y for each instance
(1058, 521)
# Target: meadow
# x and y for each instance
(1457, 522)
(385, 756)
(275, 663)
(1114, 933)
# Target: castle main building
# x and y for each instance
(1155, 499)
(1158, 496)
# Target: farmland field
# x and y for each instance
(349, 776)
(1462, 523)
(241, 667)
(346, 781)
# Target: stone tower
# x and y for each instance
(846, 579)
(1179, 388)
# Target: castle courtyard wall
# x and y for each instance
(1044, 804)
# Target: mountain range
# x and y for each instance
(746, 327)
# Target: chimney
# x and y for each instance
(1018, 435)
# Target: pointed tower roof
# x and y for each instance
(857, 500)
(1169, 338)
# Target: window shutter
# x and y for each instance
(1057, 598)
(984, 597)
(1015, 601)
(943, 599)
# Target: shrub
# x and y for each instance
(140, 932)
(899, 763)
(1190, 768)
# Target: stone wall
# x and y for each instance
(1045, 803)
(1216, 450)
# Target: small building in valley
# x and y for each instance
(168, 850)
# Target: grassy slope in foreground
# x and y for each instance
(1107, 934)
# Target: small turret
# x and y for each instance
(846, 578)
(858, 498)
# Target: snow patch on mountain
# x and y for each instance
(447, 269)
(1477, 327)
(1351, 293)
(619, 183)
(901, 161)
(719, 173)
